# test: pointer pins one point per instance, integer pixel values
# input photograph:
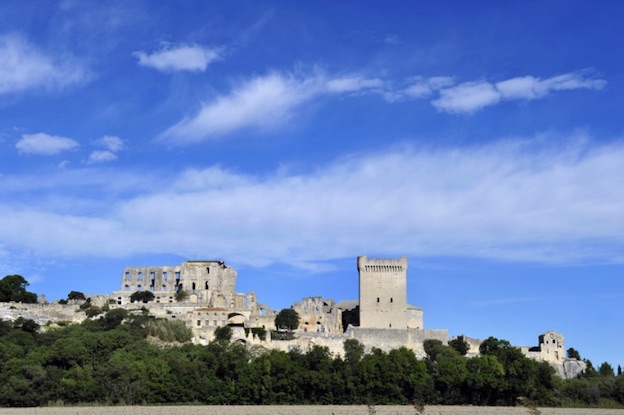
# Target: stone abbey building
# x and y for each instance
(203, 295)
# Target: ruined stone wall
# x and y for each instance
(383, 293)
(318, 315)
(163, 281)
(206, 282)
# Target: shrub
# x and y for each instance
(170, 330)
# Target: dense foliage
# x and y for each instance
(142, 296)
(110, 360)
(287, 319)
(13, 288)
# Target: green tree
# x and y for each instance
(589, 371)
(484, 377)
(223, 334)
(26, 324)
(76, 295)
(142, 296)
(573, 354)
(181, 295)
(354, 351)
(606, 369)
(13, 288)
(287, 319)
(460, 345)
(493, 346)
(113, 318)
(433, 348)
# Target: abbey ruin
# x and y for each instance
(203, 295)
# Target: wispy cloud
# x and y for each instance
(24, 67)
(470, 97)
(262, 103)
(171, 58)
(507, 201)
(44, 144)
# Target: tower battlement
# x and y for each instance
(382, 264)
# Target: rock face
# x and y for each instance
(570, 368)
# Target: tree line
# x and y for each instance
(111, 360)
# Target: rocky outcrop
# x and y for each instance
(570, 368)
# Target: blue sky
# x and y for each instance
(482, 140)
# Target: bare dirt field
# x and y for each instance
(299, 410)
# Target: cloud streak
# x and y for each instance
(265, 103)
(262, 103)
(23, 67)
(470, 97)
(503, 202)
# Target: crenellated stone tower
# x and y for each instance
(383, 293)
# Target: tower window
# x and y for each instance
(391, 300)
(377, 299)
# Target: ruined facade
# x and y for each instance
(383, 293)
(201, 293)
(205, 282)
(318, 315)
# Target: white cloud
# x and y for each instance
(111, 143)
(507, 201)
(193, 58)
(23, 67)
(101, 156)
(267, 102)
(44, 144)
(470, 97)
(467, 97)
(263, 103)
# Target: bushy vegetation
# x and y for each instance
(109, 360)
(170, 330)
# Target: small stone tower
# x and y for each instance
(383, 293)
